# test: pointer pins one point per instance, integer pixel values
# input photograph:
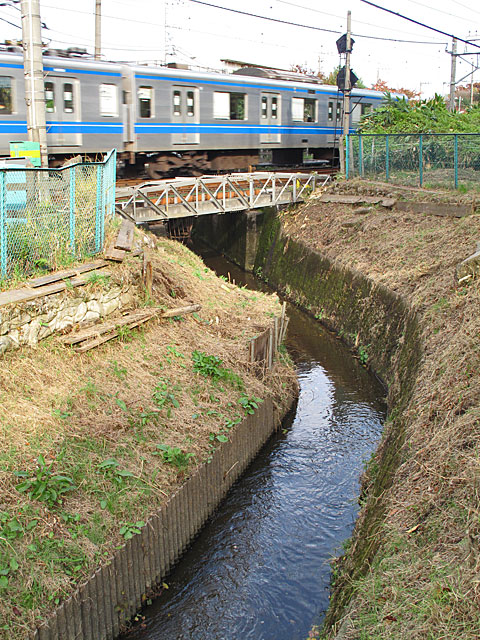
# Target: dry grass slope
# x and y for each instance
(425, 580)
(91, 444)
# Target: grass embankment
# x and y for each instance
(91, 444)
(424, 580)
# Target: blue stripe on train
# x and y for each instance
(18, 126)
(67, 70)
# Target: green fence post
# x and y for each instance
(387, 158)
(347, 155)
(72, 209)
(455, 160)
(99, 209)
(420, 159)
(3, 227)
(360, 154)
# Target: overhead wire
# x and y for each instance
(332, 15)
(465, 6)
(426, 6)
(422, 24)
(304, 26)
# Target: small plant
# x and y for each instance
(363, 354)
(129, 529)
(164, 397)
(44, 485)
(209, 366)
(10, 528)
(174, 456)
(249, 404)
(97, 278)
(125, 334)
(119, 371)
(140, 421)
(111, 469)
(6, 571)
(90, 389)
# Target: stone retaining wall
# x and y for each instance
(29, 322)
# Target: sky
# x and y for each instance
(155, 31)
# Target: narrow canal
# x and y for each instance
(260, 567)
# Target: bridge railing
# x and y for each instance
(51, 216)
(449, 160)
(184, 197)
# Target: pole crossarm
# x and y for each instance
(163, 200)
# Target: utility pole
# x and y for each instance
(453, 71)
(346, 93)
(348, 88)
(98, 29)
(33, 71)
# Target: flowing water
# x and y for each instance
(260, 567)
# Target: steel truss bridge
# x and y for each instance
(164, 200)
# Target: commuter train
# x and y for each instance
(174, 121)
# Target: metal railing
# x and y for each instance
(447, 160)
(51, 216)
(162, 200)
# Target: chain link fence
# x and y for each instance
(50, 217)
(425, 160)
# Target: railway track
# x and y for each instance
(330, 171)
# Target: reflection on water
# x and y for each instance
(260, 569)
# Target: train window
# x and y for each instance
(229, 106)
(304, 109)
(177, 103)
(49, 97)
(190, 103)
(309, 110)
(274, 108)
(297, 108)
(264, 106)
(366, 108)
(5, 95)
(237, 106)
(338, 113)
(108, 100)
(145, 101)
(68, 97)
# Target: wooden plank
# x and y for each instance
(436, 208)
(91, 344)
(125, 236)
(99, 329)
(180, 311)
(114, 254)
(69, 273)
(24, 295)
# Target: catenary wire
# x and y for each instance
(422, 24)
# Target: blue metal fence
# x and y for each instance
(447, 160)
(51, 216)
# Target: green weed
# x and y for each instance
(174, 456)
(249, 404)
(44, 485)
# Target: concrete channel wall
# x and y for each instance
(100, 607)
(371, 320)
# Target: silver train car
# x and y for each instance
(173, 121)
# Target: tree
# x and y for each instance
(381, 85)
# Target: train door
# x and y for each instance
(62, 106)
(270, 116)
(185, 112)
